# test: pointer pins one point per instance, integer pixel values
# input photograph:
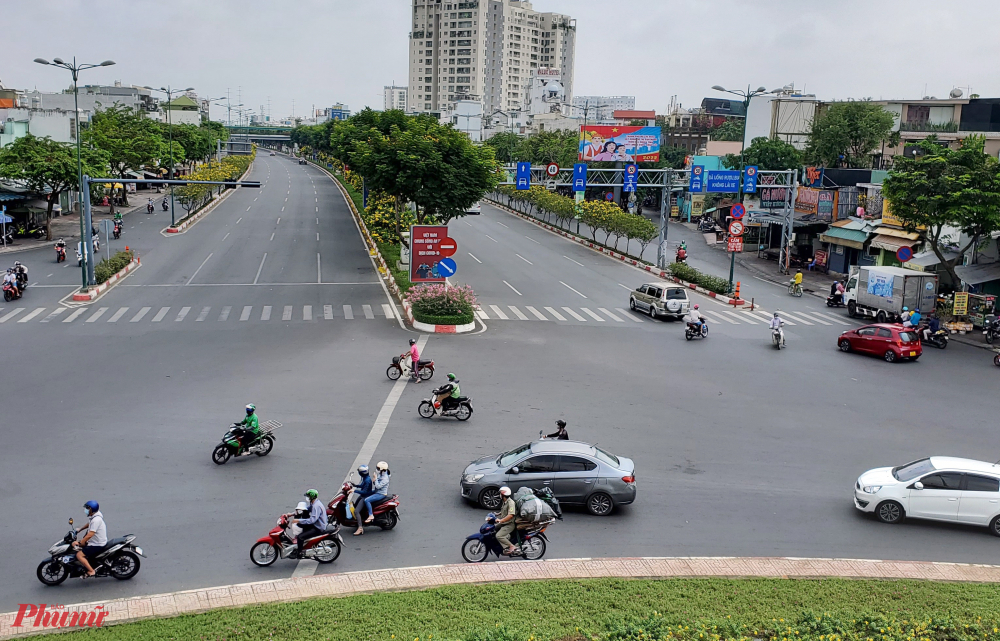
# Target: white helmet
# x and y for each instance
(505, 491)
(302, 507)
(381, 466)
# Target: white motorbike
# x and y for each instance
(776, 337)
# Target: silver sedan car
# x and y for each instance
(577, 473)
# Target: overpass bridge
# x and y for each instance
(241, 138)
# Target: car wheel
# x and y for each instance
(490, 498)
(631, 303)
(995, 526)
(652, 311)
(600, 504)
(889, 356)
(845, 345)
(890, 512)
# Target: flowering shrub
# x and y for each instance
(435, 304)
(193, 197)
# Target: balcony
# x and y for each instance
(928, 126)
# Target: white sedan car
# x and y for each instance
(939, 488)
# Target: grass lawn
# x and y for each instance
(612, 610)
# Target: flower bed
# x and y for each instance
(692, 275)
(440, 305)
(109, 267)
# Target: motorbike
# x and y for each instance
(149, 208)
(693, 331)
(120, 559)
(706, 224)
(279, 543)
(231, 446)
(460, 408)
(833, 301)
(776, 338)
(8, 293)
(681, 256)
(165, 206)
(386, 510)
(79, 258)
(992, 330)
(60, 254)
(996, 360)
(530, 542)
(96, 242)
(8, 238)
(938, 339)
(117, 232)
(397, 368)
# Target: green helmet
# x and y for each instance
(311, 494)
(451, 376)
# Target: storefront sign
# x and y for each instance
(807, 200)
(821, 258)
(826, 207)
(697, 204)
(772, 197)
(813, 177)
(961, 307)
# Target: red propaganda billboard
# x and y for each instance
(428, 245)
(616, 143)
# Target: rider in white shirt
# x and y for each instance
(777, 323)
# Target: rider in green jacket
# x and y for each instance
(248, 426)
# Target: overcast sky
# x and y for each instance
(319, 52)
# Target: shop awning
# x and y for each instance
(847, 237)
(928, 258)
(897, 233)
(975, 274)
(6, 195)
(883, 241)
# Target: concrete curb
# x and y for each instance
(94, 293)
(435, 329)
(192, 220)
(656, 271)
(417, 578)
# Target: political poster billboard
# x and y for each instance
(617, 143)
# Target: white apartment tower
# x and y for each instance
(484, 50)
(394, 97)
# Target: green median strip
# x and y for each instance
(610, 610)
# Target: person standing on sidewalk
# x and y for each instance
(414, 360)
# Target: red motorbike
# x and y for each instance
(60, 253)
(278, 543)
(398, 368)
(386, 514)
(8, 293)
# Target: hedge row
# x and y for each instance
(108, 267)
(193, 197)
(442, 305)
(692, 275)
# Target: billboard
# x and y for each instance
(617, 143)
(428, 245)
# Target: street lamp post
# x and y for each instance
(75, 69)
(170, 129)
(746, 96)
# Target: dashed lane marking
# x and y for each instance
(32, 314)
(203, 315)
(53, 314)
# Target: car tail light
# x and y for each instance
(629, 479)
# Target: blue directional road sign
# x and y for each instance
(726, 182)
(523, 175)
(697, 176)
(738, 211)
(580, 176)
(447, 267)
(750, 179)
(631, 177)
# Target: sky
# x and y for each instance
(320, 52)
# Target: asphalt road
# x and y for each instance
(739, 449)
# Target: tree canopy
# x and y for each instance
(766, 154)
(731, 130)
(848, 133)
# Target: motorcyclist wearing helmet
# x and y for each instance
(414, 361)
(446, 396)
(11, 279)
(362, 490)
(380, 491)
(505, 520)
(315, 525)
(248, 429)
(96, 539)
(694, 316)
(21, 272)
(778, 324)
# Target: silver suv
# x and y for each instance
(659, 299)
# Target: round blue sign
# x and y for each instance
(447, 267)
(738, 211)
(609, 196)
(904, 254)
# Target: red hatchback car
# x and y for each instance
(891, 342)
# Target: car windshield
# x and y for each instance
(607, 457)
(907, 337)
(676, 294)
(912, 470)
(508, 458)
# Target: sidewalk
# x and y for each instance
(417, 578)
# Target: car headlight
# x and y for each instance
(472, 478)
(871, 489)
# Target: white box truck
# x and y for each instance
(882, 292)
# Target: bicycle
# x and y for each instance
(794, 289)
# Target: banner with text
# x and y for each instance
(616, 143)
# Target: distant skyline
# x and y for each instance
(320, 52)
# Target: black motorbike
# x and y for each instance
(835, 301)
(119, 559)
(460, 408)
(693, 331)
(992, 330)
(529, 543)
(165, 206)
(938, 339)
(232, 445)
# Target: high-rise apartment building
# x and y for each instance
(601, 108)
(484, 50)
(394, 97)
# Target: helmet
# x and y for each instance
(363, 470)
(17, 263)
(906, 309)
(311, 494)
(451, 376)
(413, 341)
(381, 466)
(92, 506)
(775, 314)
(251, 408)
(505, 491)
(696, 305)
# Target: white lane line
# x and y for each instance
(317, 199)
(308, 567)
(307, 312)
(272, 237)
(49, 276)
(502, 225)
(279, 217)
(625, 287)
(490, 237)
(181, 315)
(717, 315)
(286, 313)
(317, 236)
(740, 316)
(348, 312)
(512, 287)
(499, 312)
(573, 261)
(466, 223)
(225, 313)
(537, 313)
(831, 318)
(317, 220)
(265, 314)
(319, 266)
(804, 321)
(156, 319)
(593, 315)
(475, 259)
(282, 209)
(72, 317)
(574, 314)
(556, 314)
(32, 314)
(524, 259)
(631, 317)
(203, 315)
(199, 269)
(53, 314)
(245, 314)
(96, 315)
(248, 208)
(369, 314)
(520, 315)
(327, 312)
(570, 288)
(226, 236)
(387, 310)
(255, 278)
(121, 312)
(533, 240)
(239, 219)
(613, 317)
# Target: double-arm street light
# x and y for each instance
(75, 69)
(170, 128)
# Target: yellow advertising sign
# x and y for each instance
(697, 204)
(961, 307)
(888, 218)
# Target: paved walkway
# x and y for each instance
(349, 583)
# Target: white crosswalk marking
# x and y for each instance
(719, 316)
(72, 317)
(804, 321)
(554, 313)
(592, 315)
(481, 314)
(348, 312)
(537, 313)
(520, 315)
(32, 314)
(245, 314)
(265, 314)
(96, 315)
(741, 316)
(369, 314)
(182, 314)
(387, 310)
(499, 312)
(53, 314)
(11, 315)
(138, 316)
(627, 315)
(159, 315)
(327, 312)
(307, 312)
(814, 317)
(121, 312)
(225, 312)
(286, 313)
(831, 318)
(768, 316)
(203, 315)
(574, 314)
(610, 315)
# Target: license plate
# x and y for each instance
(913, 353)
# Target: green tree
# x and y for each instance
(731, 130)
(767, 154)
(849, 133)
(131, 140)
(672, 157)
(44, 165)
(942, 187)
(505, 145)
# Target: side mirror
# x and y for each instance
(71, 521)
(918, 485)
(515, 470)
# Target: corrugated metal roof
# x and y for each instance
(892, 243)
(6, 195)
(975, 274)
(855, 235)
